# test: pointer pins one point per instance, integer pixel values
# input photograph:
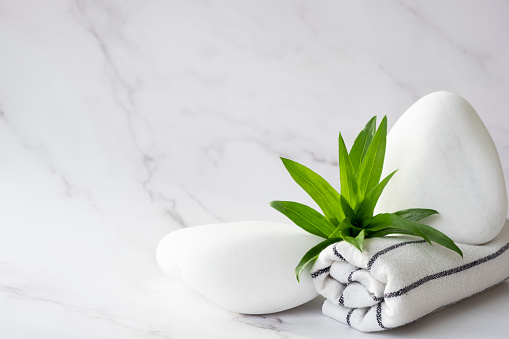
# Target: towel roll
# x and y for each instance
(400, 279)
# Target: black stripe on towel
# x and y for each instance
(337, 253)
(390, 248)
(341, 301)
(453, 303)
(348, 315)
(379, 316)
(320, 272)
(351, 274)
(446, 273)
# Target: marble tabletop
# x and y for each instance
(122, 121)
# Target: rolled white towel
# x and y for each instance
(398, 280)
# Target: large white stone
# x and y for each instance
(447, 161)
(246, 267)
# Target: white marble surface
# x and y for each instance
(121, 121)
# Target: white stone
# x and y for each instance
(447, 161)
(246, 267)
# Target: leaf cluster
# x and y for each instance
(349, 216)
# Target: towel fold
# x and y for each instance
(398, 280)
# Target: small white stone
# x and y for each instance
(446, 161)
(246, 267)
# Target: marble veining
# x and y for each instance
(123, 121)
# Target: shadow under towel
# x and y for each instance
(398, 280)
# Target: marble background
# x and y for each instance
(121, 121)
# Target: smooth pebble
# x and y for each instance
(446, 161)
(246, 267)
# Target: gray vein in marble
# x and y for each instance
(171, 209)
(218, 145)
(169, 205)
(44, 157)
(321, 160)
(199, 203)
(207, 210)
(20, 293)
(404, 86)
(303, 16)
(119, 86)
(479, 58)
(254, 133)
(264, 322)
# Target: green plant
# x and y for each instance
(349, 216)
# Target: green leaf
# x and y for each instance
(358, 241)
(311, 256)
(361, 144)
(321, 191)
(348, 210)
(349, 216)
(415, 214)
(370, 169)
(386, 231)
(430, 233)
(367, 206)
(305, 217)
(337, 232)
(347, 176)
(383, 221)
(438, 237)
